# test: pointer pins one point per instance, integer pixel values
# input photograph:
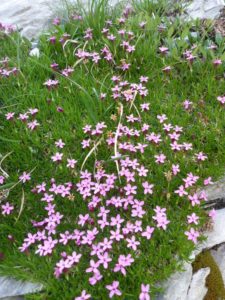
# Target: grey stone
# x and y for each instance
(216, 194)
(10, 287)
(219, 256)
(30, 16)
(33, 16)
(205, 9)
(13, 298)
(176, 287)
(198, 290)
(35, 52)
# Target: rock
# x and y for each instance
(11, 288)
(180, 282)
(216, 236)
(32, 17)
(219, 257)
(13, 298)
(198, 290)
(216, 194)
(35, 52)
(205, 9)
(176, 287)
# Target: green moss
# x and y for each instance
(214, 281)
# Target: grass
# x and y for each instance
(78, 95)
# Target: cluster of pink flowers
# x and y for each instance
(27, 118)
(117, 204)
(5, 70)
(7, 28)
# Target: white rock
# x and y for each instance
(35, 52)
(198, 289)
(219, 256)
(216, 191)
(10, 287)
(32, 16)
(217, 235)
(205, 9)
(176, 287)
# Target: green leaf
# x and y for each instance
(8, 140)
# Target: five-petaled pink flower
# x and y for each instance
(144, 295)
(7, 208)
(83, 296)
(25, 177)
(57, 157)
(113, 289)
(192, 235)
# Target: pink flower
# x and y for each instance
(51, 83)
(7, 208)
(148, 232)
(56, 21)
(160, 159)
(192, 235)
(181, 191)
(221, 99)
(208, 181)
(129, 189)
(147, 188)
(9, 115)
(145, 107)
(57, 157)
(71, 163)
(104, 259)
(193, 218)
(144, 295)
(217, 62)
(194, 199)
(201, 156)
(167, 69)
(2, 179)
(85, 143)
(212, 214)
(175, 169)
(113, 289)
(132, 243)
(33, 124)
(163, 50)
(25, 177)
(83, 296)
(60, 143)
(162, 118)
(187, 104)
(142, 24)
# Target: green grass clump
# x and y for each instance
(65, 110)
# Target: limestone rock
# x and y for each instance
(35, 52)
(216, 236)
(10, 287)
(216, 194)
(176, 287)
(198, 290)
(205, 9)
